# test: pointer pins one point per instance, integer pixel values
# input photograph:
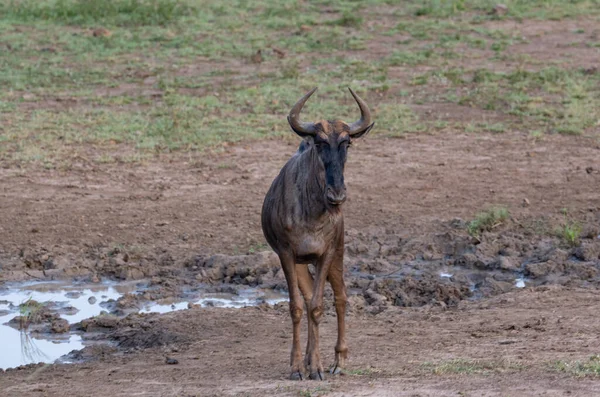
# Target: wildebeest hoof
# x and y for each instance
(335, 370)
(296, 376)
(317, 375)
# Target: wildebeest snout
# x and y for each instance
(336, 196)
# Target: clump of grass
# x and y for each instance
(440, 8)
(496, 127)
(464, 366)
(570, 233)
(348, 19)
(314, 391)
(399, 58)
(290, 69)
(31, 312)
(487, 220)
(580, 369)
(362, 371)
(401, 119)
(257, 247)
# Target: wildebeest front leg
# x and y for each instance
(305, 281)
(336, 279)
(289, 269)
(313, 360)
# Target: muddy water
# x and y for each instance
(78, 302)
(19, 347)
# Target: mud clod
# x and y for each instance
(59, 326)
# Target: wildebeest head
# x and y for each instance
(331, 140)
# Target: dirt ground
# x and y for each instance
(183, 221)
(514, 338)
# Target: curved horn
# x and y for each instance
(302, 129)
(361, 126)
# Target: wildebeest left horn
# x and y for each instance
(363, 125)
(294, 117)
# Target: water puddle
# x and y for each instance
(19, 347)
(243, 298)
(78, 302)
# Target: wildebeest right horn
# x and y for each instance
(364, 123)
(299, 127)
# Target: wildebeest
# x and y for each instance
(302, 221)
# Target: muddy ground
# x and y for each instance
(434, 310)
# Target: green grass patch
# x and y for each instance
(487, 220)
(540, 9)
(169, 75)
(398, 119)
(85, 12)
(569, 232)
(410, 57)
(551, 99)
(580, 369)
(462, 366)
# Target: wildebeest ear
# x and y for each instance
(363, 132)
(303, 146)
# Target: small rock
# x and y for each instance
(536, 270)
(280, 54)
(101, 32)
(374, 298)
(506, 263)
(171, 361)
(500, 9)
(150, 80)
(525, 202)
(92, 300)
(106, 321)
(587, 252)
(257, 57)
(458, 223)
(589, 170)
(49, 264)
